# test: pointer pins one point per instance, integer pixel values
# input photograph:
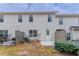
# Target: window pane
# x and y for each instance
(61, 21)
(1, 18)
(20, 18)
(30, 18)
(1, 33)
(47, 32)
(6, 34)
(30, 31)
(30, 35)
(35, 35)
(35, 31)
(49, 18)
(68, 36)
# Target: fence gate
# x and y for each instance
(60, 34)
(19, 35)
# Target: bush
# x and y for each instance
(64, 46)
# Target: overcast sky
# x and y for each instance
(21, 7)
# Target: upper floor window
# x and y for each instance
(1, 18)
(49, 18)
(30, 18)
(60, 21)
(20, 18)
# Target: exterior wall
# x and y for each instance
(67, 22)
(37, 24)
(75, 35)
(40, 23)
(9, 23)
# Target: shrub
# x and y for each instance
(64, 46)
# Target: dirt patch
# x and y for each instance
(30, 49)
(23, 53)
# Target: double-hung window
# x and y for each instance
(49, 18)
(32, 33)
(60, 20)
(30, 18)
(68, 36)
(3, 33)
(47, 32)
(20, 18)
(1, 18)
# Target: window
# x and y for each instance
(47, 32)
(3, 33)
(6, 33)
(68, 36)
(1, 18)
(32, 33)
(20, 18)
(49, 18)
(60, 21)
(35, 33)
(30, 18)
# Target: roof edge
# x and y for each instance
(44, 12)
(67, 14)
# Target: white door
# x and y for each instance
(75, 35)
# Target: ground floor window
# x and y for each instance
(47, 32)
(32, 33)
(4, 33)
(68, 36)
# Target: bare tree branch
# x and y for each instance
(28, 6)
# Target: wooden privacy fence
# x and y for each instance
(60, 34)
(19, 35)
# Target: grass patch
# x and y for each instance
(7, 50)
